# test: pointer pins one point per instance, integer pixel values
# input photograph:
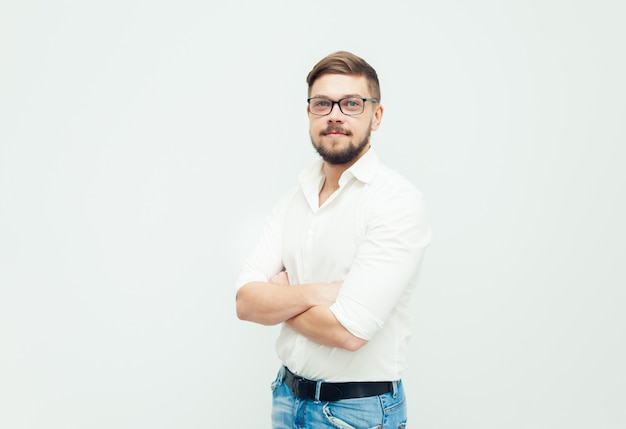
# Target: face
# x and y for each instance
(338, 138)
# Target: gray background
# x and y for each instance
(142, 143)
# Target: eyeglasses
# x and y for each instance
(350, 106)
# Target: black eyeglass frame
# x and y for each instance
(338, 103)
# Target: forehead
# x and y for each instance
(340, 85)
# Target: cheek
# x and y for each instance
(316, 124)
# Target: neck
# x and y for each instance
(332, 173)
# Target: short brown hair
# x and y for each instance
(343, 62)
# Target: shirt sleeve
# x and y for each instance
(386, 264)
(266, 259)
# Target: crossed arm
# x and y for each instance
(305, 308)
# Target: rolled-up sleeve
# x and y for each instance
(386, 265)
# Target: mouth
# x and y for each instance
(335, 131)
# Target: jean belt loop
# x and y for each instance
(395, 388)
(281, 374)
(318, 389)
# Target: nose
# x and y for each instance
(335, 115)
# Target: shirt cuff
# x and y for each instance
(358, 320)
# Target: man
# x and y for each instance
(336, 264)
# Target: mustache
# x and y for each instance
(336, 129)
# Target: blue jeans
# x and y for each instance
(387, 411)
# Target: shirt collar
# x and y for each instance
(364, 169)
(312, 178)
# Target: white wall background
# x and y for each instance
(136, 169)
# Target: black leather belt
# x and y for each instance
(305, 389)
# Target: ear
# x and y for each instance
(378, 117)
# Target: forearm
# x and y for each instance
(319, 324)
(269, 303)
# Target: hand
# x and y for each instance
(281, 278)
(327, 293)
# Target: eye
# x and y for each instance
(320, 102)
(352, 105)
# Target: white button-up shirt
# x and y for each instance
(371, 234)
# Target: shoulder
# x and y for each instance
(396, 206)
(392, 198)
(388, 183)
(287, 197)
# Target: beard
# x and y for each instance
(344, 155)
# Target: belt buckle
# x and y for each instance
(298, 386)
(295, 386)
(303, 388)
